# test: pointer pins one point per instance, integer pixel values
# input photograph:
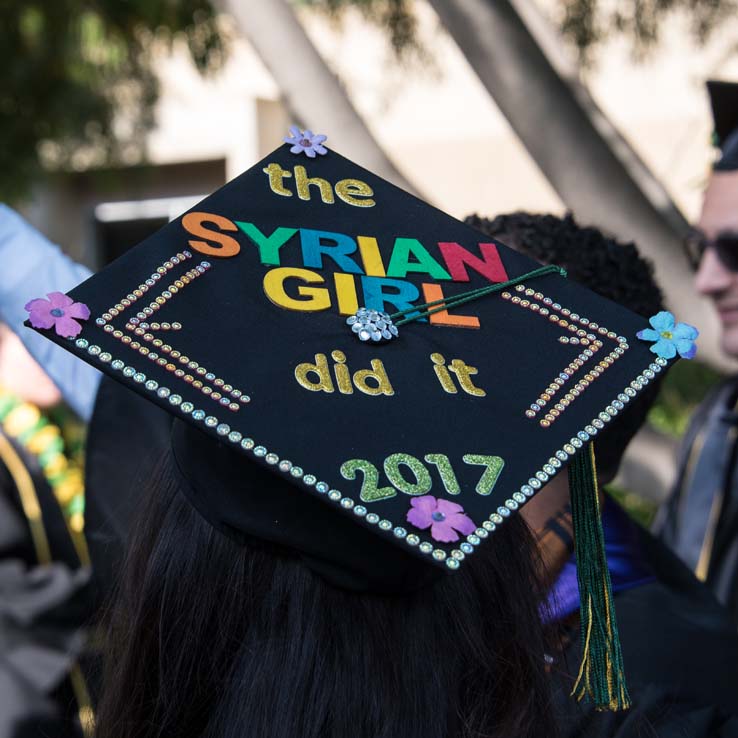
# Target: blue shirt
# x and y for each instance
(32, 267)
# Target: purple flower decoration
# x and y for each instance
(670, 338)
(59, 312)
(306, 142)
(445, 519)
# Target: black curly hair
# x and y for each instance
(609, 268)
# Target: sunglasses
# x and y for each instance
(725, 246)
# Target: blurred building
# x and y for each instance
(433, 118)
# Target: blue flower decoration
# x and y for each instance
(306, 142)
(670, 338)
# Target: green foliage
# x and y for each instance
(683, 388)
(78, 80)
(395, 17)
(640, 509)
(685, 385)
(587, 23)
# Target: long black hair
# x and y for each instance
(212, 639)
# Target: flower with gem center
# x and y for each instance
(670, 338)
(59, 312)
(446, 519)
(306, 142)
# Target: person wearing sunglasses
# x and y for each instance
(700, 519)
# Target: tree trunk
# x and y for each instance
(312, 93)
(556, 129)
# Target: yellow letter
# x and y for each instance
(378, 373)
(318, 298)
(462, 371)
(369, 250)
(342, 373)
(303, 182)
(276, 175)
(319, 368)
(349, 189)
(439, 366)
(348, 303)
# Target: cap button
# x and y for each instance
(372, 325)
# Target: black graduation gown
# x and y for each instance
(700, 519)
(43, 608)
(680, 651)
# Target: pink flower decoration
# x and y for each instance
(445, 519)
(58, 312)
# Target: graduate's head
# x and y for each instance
(209, 634)
(611, 269)
(713, 247)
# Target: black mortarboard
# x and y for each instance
(724, 103)
(382, 463)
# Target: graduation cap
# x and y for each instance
(724, 103)
(382, 386)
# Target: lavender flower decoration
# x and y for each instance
(306, 142)
(58, 312)
(670, 338)
(445, 519)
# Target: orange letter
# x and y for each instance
(433, 292)
(193, 223)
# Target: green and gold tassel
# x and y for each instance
(601, 676)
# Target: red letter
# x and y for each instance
(458, 258)
(193, 223)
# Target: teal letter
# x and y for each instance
(401, 298)
(400, 263)
(268, 246)
(313, 250)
